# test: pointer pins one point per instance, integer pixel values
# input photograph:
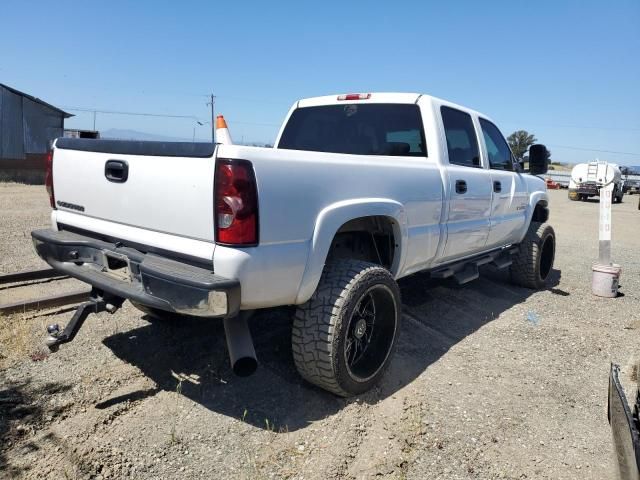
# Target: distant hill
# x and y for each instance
(560, 167)
(122, 134)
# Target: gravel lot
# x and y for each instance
(489, 380)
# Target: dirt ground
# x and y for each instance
(489, 380)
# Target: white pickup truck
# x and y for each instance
(359, 191)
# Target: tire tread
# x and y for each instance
(316, 321)
(524, 269)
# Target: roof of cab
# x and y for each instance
(381, 97)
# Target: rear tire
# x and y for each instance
(533, 263)
(344, 336)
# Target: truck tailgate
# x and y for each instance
(166, 188)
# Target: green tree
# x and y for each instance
(520, 141)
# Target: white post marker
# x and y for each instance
(606, 274)
(604, 231)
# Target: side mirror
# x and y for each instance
(538, 159)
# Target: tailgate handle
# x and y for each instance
(116, 171)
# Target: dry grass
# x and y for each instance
(16, 338)
(28, 177)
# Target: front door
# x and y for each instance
(509, 197)
(469, 187)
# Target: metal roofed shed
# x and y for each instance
(28, 125)
(78, 133)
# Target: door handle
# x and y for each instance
(116, 171)
(461, 186)
(497, 187)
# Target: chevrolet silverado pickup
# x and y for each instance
(359, 191)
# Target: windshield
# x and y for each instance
(359, 129)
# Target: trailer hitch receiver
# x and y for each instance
(98, 302)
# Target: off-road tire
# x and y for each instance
(533, 263)
(321, 326)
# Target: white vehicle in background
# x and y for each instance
(359, 191)
(631, 180)
(587, 178)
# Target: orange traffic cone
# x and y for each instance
(222, 132)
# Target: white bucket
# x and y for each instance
(605, 280)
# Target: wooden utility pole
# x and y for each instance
(213, 118)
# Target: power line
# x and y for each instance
(233, 122)
(587, 127)
(594, 150)
(140, 114)
(166, 115)
(253, 123)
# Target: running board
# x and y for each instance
(502, 261)
(467, 274)
(467, 270)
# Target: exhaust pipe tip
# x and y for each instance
(245, 366)
(242, 354)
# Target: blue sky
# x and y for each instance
(567, 71)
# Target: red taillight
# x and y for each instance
(236, 203)
(355, 96)
(48, 178)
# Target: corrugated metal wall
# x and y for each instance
(11, 130)
(41, 125)
(26, 127)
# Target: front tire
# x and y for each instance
(533, 263)
(344, 336)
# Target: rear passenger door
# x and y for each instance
(509, 197)
(469, 187)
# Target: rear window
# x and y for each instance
(359, 129)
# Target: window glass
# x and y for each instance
(462, 143)
(497, 147)
(360, 129)
(411, 137)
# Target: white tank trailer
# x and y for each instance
(588, 178)
(604, 180)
